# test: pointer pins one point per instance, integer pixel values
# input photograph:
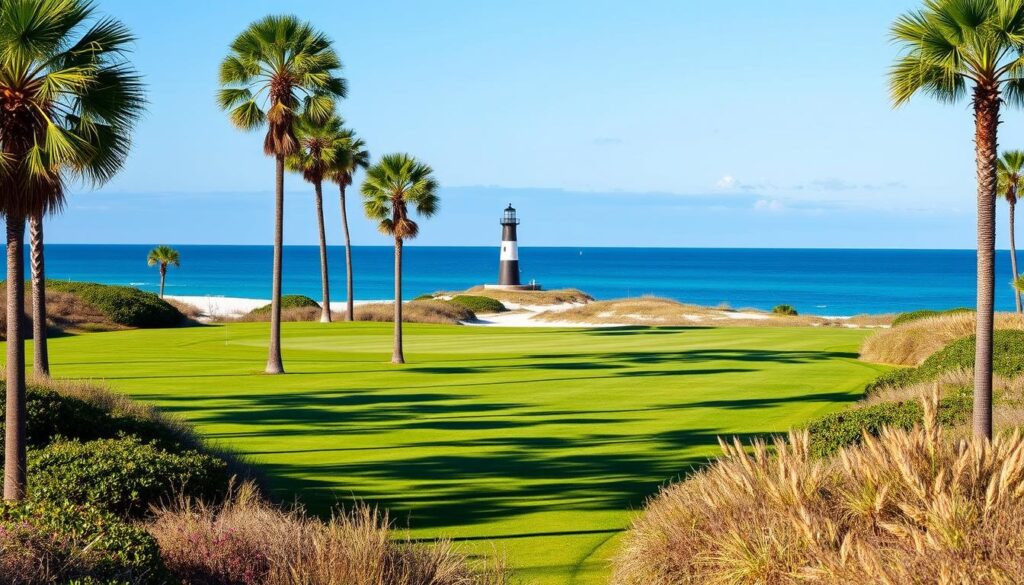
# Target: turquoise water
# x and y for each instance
(828, 282)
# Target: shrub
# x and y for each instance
(1007, 356)
(925, 314)
(426, 297)
(479, 304)
(246, 541)
(897, 378)
(835, 431)
(44, 543)
(785, 310)
(123, 305)
(289, 302)
(907, 507)
(124, 476)
(1007, 361)
(52, 414)
(911, 343)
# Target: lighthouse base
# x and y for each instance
(513, 287)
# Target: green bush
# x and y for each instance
(924, 314)
(897, 378)
(785, 310)
(1007, 360)
(289, 302)
(60, 542)
(835, 431)
(52, 415)
(124, 476)
(123, 305)
(426, 297)
(479, 304)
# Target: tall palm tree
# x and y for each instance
(319, 145)
(163, 256)
(40, 347)
(392, 185)
(68, 102)
(352, 156)
(1010, 180)
(950, 47)
(279, 69)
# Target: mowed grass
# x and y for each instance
(536, 445)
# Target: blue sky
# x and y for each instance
(650, 123)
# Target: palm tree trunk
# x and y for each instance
(15, 479)
(1013, 255)
(398, 357)
(325, 287)
(986, 118)
(41, 354)
(349, 303)
(274, 364)
(163, 278)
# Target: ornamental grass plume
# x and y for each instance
(904, 507)
(246, 541)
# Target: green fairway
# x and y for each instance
(539, 441)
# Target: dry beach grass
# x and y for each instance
(911, 343)
(658, 311)
(246, 540)
(906, 507)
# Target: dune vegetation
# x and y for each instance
(908, 506)
(667, 312)
(911, 342)
(79, 307)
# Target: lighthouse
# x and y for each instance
(508, 274)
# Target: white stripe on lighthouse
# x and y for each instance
(509, 251)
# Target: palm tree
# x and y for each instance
(40, 347)
(352, 156)
(68, 102)
(163, 256)
(391, 186)
(950, 46)
(279, 69)
(319, 145)
(1010, 180)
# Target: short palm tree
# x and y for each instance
(319, 146)
(392, 186)
(352, 156)
(162, 257)
(950, 48)
(68, 102)
(279, 69)
(1010, 181)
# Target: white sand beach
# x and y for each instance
(217, 307)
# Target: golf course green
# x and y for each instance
(533, 444)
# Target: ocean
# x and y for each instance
(819, 281)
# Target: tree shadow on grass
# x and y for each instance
(532, 458)
(515, 476)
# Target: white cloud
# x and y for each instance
(726, 182)
(769, 205)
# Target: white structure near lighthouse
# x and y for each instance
(508, 260)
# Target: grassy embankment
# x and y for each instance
(538, 441)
